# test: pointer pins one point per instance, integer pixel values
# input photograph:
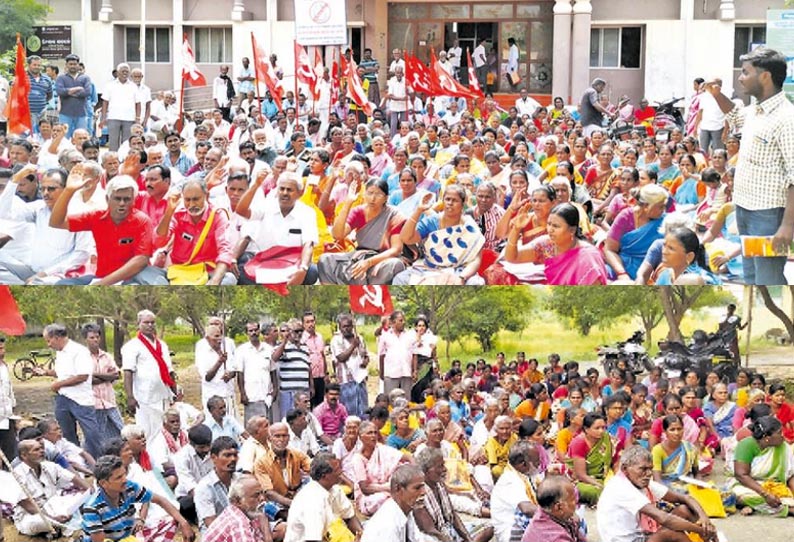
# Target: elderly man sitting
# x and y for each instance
(45, 482)
(632, 493)
(197, 233)
(320, 503)
(242, 520)
(276, 244)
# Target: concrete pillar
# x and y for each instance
(178, 37)
(239, 13)
(561, 67)
(106, 11)
(580, 56)
(727, 10)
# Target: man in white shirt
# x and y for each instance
(120, 107)
(216, 367)
(397, 61)
(57, 251)
(525, 104)
(192, 463)
(632, 492)
(455, 54)
(350, 357)
(480, 59)
(46, 482)
(301, 437)
(149, 379)
(510, 491)
(320, 502)
(8, 432)
(281, 222)
(397, 100)
(144, 97)
(256, 371)
(512, 61)
(223, 92)
(396, 354)
(390, 522)
(74, 402)
(710, 121)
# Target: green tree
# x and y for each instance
(491, 310)
(19, 16)
(676, 301)
(787, 319)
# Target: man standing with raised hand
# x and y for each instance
(149, 379)
(763, 188)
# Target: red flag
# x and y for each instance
(374, 300)
(18, 108)
(265, 73)
(445, 83)
(190, 71)
(303, 68)
(418, 76)
(474, 83)
(11, 321)
(335, 78)
(355, 90)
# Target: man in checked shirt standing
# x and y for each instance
(764, 183)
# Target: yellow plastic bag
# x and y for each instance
(709, 498)
(193, 274)
(338, 532)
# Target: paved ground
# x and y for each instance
(34, 398)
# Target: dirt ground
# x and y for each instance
(34, 399)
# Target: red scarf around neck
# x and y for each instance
(157, 353)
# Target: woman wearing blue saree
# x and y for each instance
(451, 240)
(720, 411)
(405, 437)
(634, 230)
(674, 456)
(683, 261)
(666, 169)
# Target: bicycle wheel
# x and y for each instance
(23, 368)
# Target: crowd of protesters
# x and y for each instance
(425, 191)
(287, 443)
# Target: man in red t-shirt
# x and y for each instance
(123, 235)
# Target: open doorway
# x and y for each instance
(469, 35)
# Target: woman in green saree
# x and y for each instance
(591, 457)
(674, 457)
(764, 471)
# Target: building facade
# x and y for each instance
(643, 48)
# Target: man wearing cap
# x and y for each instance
(590, 110)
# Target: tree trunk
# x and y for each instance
(119, 333)
(103, 343)
(787, 321)
(666, 298)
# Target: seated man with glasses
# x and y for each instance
(123, 235)
(54, 253)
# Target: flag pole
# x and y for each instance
(260, 118)
(295, 66)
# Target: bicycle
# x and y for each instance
(25, 368)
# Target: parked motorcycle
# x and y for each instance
(631, 350)
(706, 353)
(667, 118)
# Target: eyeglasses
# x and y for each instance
(50, 188)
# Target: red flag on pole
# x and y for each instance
(304, 70)
(11, 321)
(375, 300)
(418, 76)
(474, 84)
(355, 90)
(335, 77)
(190, 71)
(265, 73)
(18, 108)
(445, 83)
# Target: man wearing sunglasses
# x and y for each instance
(56, 251)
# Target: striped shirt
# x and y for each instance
(40, 89)
(115, 523)
(765, 170)
(293, 368)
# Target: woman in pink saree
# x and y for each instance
(372, 468)
(572, 261)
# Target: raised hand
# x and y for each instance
(131, 165)
(522, 218)
(352, 191)
(76, 180)
(427, 202)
